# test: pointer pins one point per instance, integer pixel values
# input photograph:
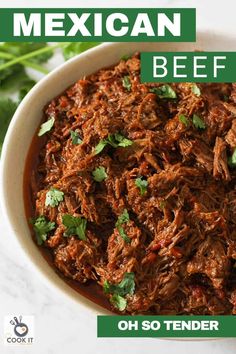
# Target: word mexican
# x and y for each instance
(104, 24)
(169, 325)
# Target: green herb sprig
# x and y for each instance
(123, 219)
(114, 140)
(118, 291)
(74, 226)
(42, 227)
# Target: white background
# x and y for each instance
(62, 326)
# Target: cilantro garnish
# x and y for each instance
(183, 119)
(196, 90)
(54, 197)
(198, 122)
(123, 219)
(141, 184)
(126, 83)
(119, 302)
(75, 226)
(42, 227)
(164, 91)
(46, 127)
(75, 138)
(99, 174)
(118, 291)
(114, 140)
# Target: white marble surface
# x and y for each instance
(62, 326)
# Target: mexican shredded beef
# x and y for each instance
(146, 176)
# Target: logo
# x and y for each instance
(19, 330)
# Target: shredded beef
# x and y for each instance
(180, 240)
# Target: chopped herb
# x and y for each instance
(125, 287)
(126, 57)
(141, 184)
(196, 90)
(122, 219)
(42, 227)
(100, 146)
(46, 127)
(198, 122)
(122, 140)
(119, 302)
(164, 91)
(75, 226)
(183, 119)
(54, 197)
(113, 140)
(126, 83)
(99, 174)
(232, 159)
(106, 287)
(75, 138)
(123, 233)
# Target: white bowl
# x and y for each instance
(27, 118)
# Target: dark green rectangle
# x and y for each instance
(108, 326)
(187, 34)
(227, 74)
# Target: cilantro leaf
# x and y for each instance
(74, 48)
(42, 227)
(113, 140)
(7, 109)
(26, 86)
(99, 174)
(46, 127)
(198, 122)
(21, 48)
(12, 77)
(122, 141)
(183, 119)
(76, 140)
(54, 197)
(119, 302)
(100, 146)
(75, 226)
(125, 287)
(126, 83)
(141, 184)
(122, 219)
(196, 90)
(164, 91)
(232, 159)
(123, 233)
